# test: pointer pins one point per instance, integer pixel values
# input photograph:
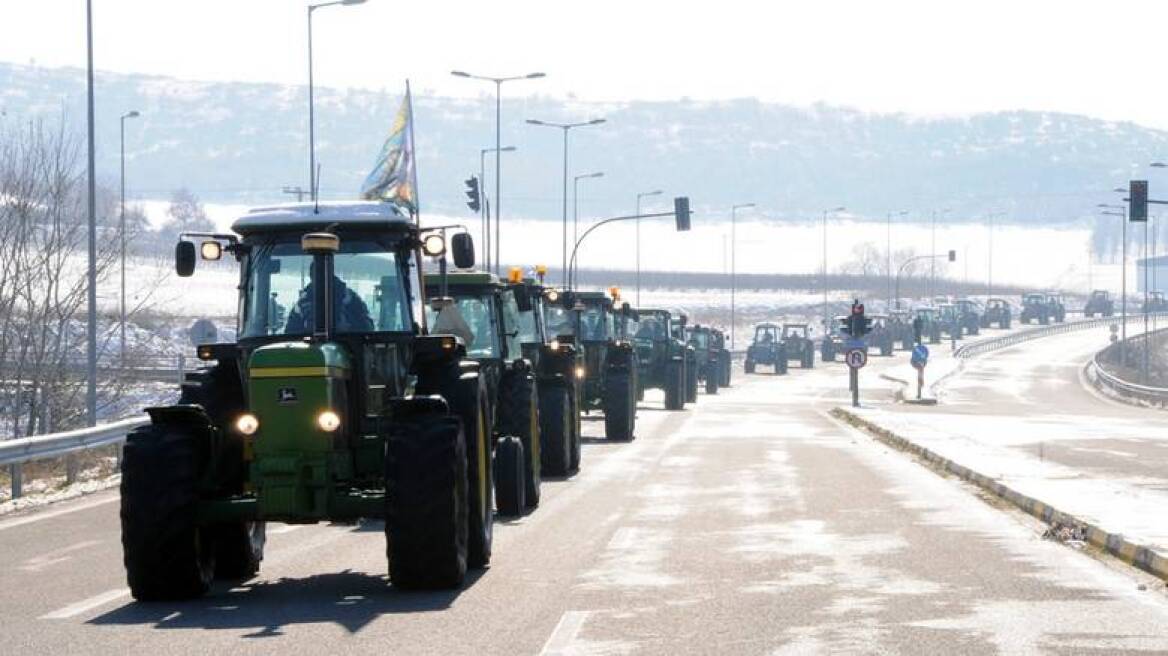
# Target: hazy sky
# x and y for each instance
(922, 57)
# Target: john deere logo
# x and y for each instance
(286, 395)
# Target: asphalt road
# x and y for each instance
(751, 523)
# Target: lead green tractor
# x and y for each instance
(335, 404)
(489, 317)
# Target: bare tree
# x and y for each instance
(186, 214)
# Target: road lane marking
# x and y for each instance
(73, 610)
(562, 637)
(51, 558)
(286, 528)
(50, 514)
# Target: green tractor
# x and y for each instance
(718, 345)
(709, 371)
(691, 357)
(335, 404)
(593, 321)
(489, 322)
(559, 370)
(663, 355)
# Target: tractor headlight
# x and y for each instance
(247, 424)
(328, 421)
(554, 345)
(580, 371)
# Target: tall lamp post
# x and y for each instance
(643, 194)
(122, 226)
(1121, 212)
(933, 249)
(733, 264)
(990, 263)
(498, 81)
(576, 204)
(565, 127)
(91, 295)
(311, 104)
(484, 208)
(826, 319)
(888, 253)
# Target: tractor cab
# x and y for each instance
(663, 355)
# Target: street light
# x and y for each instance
(1122, 214)
(498, 139)
(91, 293)
(484, 210)
(733, 264)
(643, 194)
(933, 250)
(122, 223)
(576, 201)
(826, 319)
(888, 254)
(311, 108)
(565, 127)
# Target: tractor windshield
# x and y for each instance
(595, 324)
(653, 326)
(558, 320)
(369, 290)
(479, 314)
(701, 339)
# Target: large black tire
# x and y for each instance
(469, 397)
(577, 432)
(711, 380)
(510, 486)
(809, 360)
(724, 367)
(749, 366)
(166, 554)
(781, 364)
(519, 400)
(620, 408)
(691, 382)
(426, 503)
(674, 385)
(239, 548)
(556, 430)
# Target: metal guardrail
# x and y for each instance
(981, 347)
(1124, 389)
(15, 453)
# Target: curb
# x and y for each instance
(1116, 544)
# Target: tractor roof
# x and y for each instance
(463, 279)
(309, 216)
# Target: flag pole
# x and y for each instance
(416, 209)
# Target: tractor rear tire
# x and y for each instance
(577, 432)
(809, 360)
(711, 381)
(510, 486)
(674, 385)
(520, 408)
(470, 403)
(620, 409)
(426, 494)
(167, 555)
(556, 431)
(781, 365)
(692, 382)
(749, 366)
(239, 548)
(724, 368)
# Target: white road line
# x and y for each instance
(50, 514)
(73, 610)
(51, 558)
(565, 632)
(286, 528)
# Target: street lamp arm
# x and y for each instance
(631, 217)
(904, 264)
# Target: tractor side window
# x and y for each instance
(377, 294)
(558, 320)
(512, 325)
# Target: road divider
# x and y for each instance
(1137, 555)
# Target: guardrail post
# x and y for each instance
(16, 474)
(70, 469)
(182, 365)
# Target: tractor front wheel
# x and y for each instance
(620, 408)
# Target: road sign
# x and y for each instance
(920, 356)
(857, 358)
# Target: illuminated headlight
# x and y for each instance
(434, 245)
(580, 372)
(328, 421)
(247, 424)
(554, 345)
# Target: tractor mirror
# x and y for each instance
(184, 258)
(522, 297)
(463, 247)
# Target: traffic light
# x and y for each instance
(472, 192)
(858, 325)
(1138, 201)
(681, 212)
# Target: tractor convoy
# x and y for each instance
(369, 382)
(360, 389)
